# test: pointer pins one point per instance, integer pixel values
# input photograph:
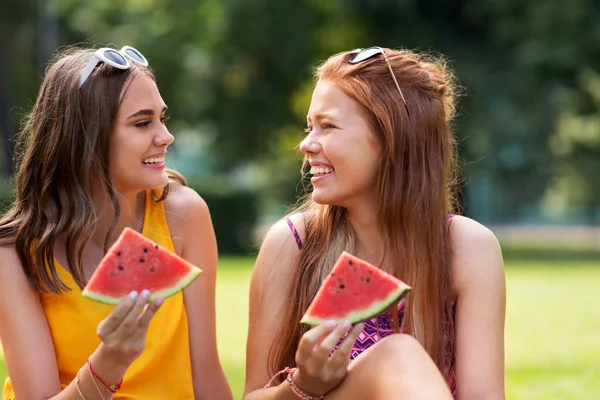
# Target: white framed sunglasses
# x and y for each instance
(121, 59)
(370, 52)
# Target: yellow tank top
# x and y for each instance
(163, 371)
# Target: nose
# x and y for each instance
(310, 144)
(163, 137)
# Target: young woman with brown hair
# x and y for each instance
(381, 154)
(91, 162)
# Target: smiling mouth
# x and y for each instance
(320, 171)
(153, 160)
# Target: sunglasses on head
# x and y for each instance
(121, 59)
(365, 54)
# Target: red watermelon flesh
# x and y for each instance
(353, 291)
(135, 262)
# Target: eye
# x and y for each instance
(142, 124)
(328, 126)
(308, 130)
(165, 118)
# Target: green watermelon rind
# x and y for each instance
(184, 282)
(364, 314)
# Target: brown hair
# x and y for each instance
(63, 145)
(415, 185)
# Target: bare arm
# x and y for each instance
(28, 346)
(480, 313)
(269, 290)
(191, 221)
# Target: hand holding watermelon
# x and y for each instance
(354, 291)
(318, 371)
(123, 332)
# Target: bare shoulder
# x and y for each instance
(183, 201)
(279, 251)
(477, 256)
(187, 215)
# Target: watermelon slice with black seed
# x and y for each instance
(354, 291)
(135, 262)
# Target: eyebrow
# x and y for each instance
(146, 112)
(322, 115)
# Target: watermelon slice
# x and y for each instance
(135, 262)
(353, 291)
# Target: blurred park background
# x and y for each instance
(237, 77)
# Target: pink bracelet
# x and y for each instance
(295, 389)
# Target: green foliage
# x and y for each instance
(234, 216)
(238, 74)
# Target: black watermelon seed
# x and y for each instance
(156, 246)
(342, 286)
(142, 260)
(145, 250)
(121, 268)
(151, 269)
(368, 280)
(350, 262)
(118, 254)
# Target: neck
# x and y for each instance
(131, 215)
(365, 222)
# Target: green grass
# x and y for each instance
(552, 325)
(552, 331)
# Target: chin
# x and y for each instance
(322, 198)
(161, 184)
(156, 183)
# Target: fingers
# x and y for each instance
(323, 350)
(131, 319)
(314, 356)
(123, 332)
(112, 322)
(335, 366)
(310, 338)
(149, 313)
(342, 354)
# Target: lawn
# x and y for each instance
(552, 325)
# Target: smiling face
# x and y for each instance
(140, 138)
(343, 151)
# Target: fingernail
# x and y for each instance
(330, 324)
(346, 325)
(159, 301)
(145, 294)
(133, 295)
(358, 327)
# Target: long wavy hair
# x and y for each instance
(416, 185)
(62, 148)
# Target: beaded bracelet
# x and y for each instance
(295, 389)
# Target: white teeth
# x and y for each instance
(320, 170)
(153, 160)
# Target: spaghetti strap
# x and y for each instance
(449, 222)
(294, 232)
